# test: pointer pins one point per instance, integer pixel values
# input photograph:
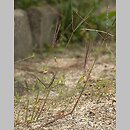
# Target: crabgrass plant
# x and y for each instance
(40, 106)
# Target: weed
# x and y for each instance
(46, 93)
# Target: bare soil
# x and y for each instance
(96, 109)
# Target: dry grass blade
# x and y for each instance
(88, 76)
(88, 24)
(100, 31)
(82, 21)
(114, 21)
(86, 54)
(27, 107)
(27, 58)
(108, 29)
(106, 37)
(57, 29)
(39, 80)
(34, 107)
(43, 105)
(81, 17)
(62, 115)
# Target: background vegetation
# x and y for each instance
(72, 12)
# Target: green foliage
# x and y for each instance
(72, 12)
(70, 19)
(26, 3)
(67, 12)
(99, 22)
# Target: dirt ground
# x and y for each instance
(95, 110)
